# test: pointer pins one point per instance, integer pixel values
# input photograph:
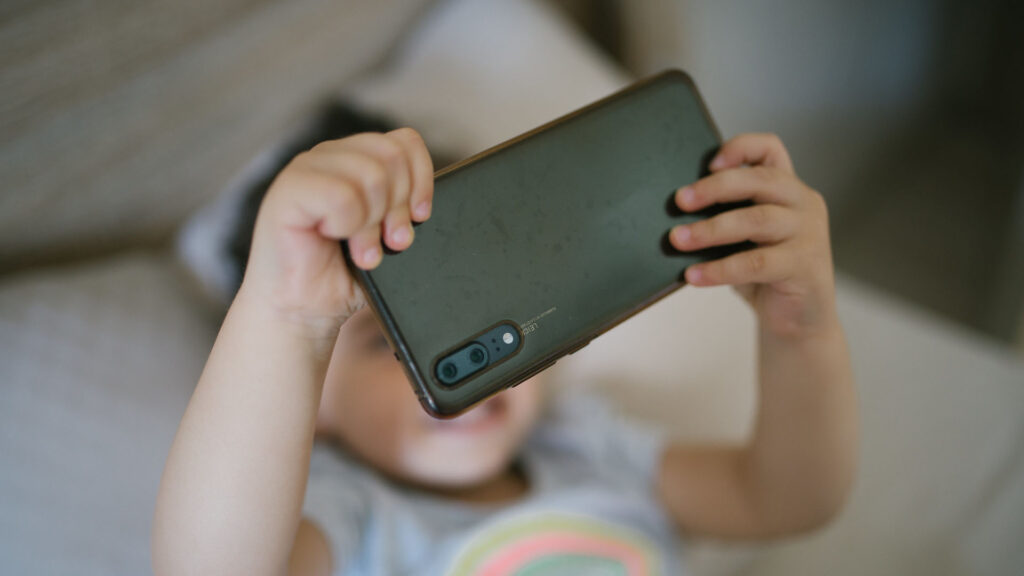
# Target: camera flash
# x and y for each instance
(506, 337)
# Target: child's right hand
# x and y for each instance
(356, 188)
(245, 438)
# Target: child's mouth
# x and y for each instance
(488, 414)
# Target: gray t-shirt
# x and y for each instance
(590, 509)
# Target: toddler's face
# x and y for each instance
(367, 403)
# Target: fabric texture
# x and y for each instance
(97, 363)
(120, 120)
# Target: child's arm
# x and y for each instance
(231, 494)
(796, 472)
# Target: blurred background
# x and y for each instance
(125, 126)
(907, 116)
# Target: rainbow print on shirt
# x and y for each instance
(548, 544)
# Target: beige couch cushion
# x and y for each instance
(474, 74)
(118, 119)
(942, 445)
(97, 362)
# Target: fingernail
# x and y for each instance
(682, 233)
(718, 162)
(693, 274)
(402, 234)
(371, 256)
(688, 195)
(423, 210)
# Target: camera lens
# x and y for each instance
(476, 356)
(449, 370)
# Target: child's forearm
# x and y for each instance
(798, 468)
(801, 462)
(231, 494)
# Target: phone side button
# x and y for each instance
(535, 371)
(576, 349)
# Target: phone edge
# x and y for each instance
(394, 335)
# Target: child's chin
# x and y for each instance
(469, 449)
(449, 460)
(456, 473)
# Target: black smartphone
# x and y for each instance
(543, 242)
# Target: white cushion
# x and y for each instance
(97, 362)
(475, 73)
(942, 431)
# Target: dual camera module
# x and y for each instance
(483, 351)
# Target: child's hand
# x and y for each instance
(788, 277)
(245, 439)
(356, 188)
(795, 472)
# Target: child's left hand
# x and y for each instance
(788, 278)
(795, 472)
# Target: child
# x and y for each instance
(505, 488)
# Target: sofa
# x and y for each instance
(124, 125)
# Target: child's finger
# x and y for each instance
(389, 152)
(389, 149)
(422, 166)
(752, 149)
(362, 170)
(762, 223)
(398, 231)
(757, 265)
(390, 218)
(385, 150)
(758, 183)
(333, 205)
(320, 200)
(365, 248)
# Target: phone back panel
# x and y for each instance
(562, 231)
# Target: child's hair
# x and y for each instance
(333, 121)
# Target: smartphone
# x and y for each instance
(541, 243)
